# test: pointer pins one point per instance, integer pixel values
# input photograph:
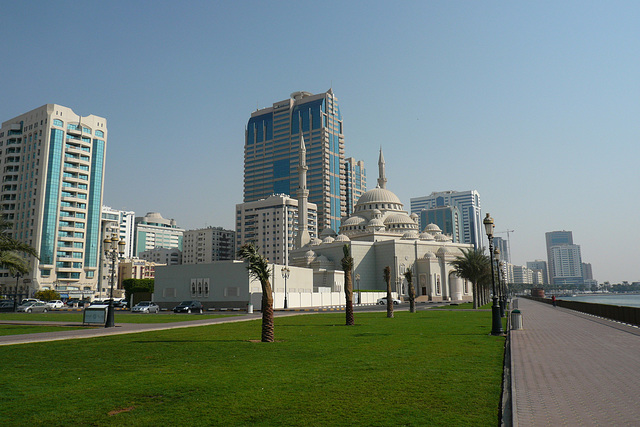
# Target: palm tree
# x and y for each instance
(259, 269)
(387, 279)
(412, 290)
(347, 267)
(13, 252)
(474, 266)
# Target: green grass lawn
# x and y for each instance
(427, 368)
(33, 329)
(120, 317)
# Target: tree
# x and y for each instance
(133, 286)
(474, 266)
(47, 295)
(387, 279)
(259, 269)
(347, 267)
(12, 252)
(412, 290)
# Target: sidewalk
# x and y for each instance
(572, 369)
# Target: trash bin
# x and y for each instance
(516, 320)
(249, 308)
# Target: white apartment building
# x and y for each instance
(153, 231)
(272, 225)
(207, 245)
(52, 172)
(120, 224)
(162, 256)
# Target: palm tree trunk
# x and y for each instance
(412, 296)
(348, 295)
(475, 295)
(267, 312)
(389, 300)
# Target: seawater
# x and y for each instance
(627, 300)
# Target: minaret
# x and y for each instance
(303, 236)
(382, 180)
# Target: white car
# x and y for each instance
(383, 301)
(146, 307)
(57, 304)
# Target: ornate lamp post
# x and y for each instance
(112, 248)
(496, 322)
(496, 252)
(285, 275)
(358, 285)
(502, 275)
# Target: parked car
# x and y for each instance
(6, 305)
(26, 300)
(57, 304)
(146, 307)
(79, 303)
(188, 307)
(383, 301)
(120, 304)
(33, 307)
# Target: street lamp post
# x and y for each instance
(358, 285)
(503, 278)
(112, 248)
(496, 321)
(285, 275)
(500, 288)
(15, 294)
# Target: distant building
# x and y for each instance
(356, 182)
(272, 225)
(163, 256)
(567, 266)
(125, 221)
(153, 231)
(448, 218)
(556, 238)
(502, 245)
(207, 245)
(468, 203)
(541, 266)
(587, 273)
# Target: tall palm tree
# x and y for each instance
(387, 279)
(259, 269)
(13, 253)
(474, 266)
(412, 290)
(347, 267)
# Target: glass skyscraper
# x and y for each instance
(271, 153)
(52, 177)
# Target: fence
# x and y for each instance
(630, 315)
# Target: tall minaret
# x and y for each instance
(303, 236)
(382, 180)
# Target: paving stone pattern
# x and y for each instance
(573, 369)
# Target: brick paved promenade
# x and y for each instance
(572, 369)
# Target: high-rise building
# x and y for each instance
(271, 153)
(541, 266)
(567, 266)
(124, 227)
(503, 246)
(153, 231)
(356, 182)
(445, 217)
(266, 222)
(162, 256)
(52, 172)
(468, 202)
(556, 238)
(207, 245)
(587, 272)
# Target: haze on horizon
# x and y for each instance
(533, 104)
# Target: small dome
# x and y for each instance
(433, 229)
(378, 195)
(315, 241)
(442, 252)
(429, 255)
(400, 218)
(441, 238)
(322, 261)
(414, 216)
(354, 220)
(410, 235)
(328, 239)
(376, 223)
(342, 238)
(310, 254)
(426, 236)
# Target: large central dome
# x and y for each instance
(378, 195)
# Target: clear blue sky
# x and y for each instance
(534, 104)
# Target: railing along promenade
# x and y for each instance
(629, 315)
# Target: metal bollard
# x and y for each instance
(249, 308)
(516, 320)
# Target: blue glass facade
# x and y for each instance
(95, 203)
(52, 190)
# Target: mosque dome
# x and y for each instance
(376, 223)
(342, 238)
(310, 254)
(378, 195)
(433, 229)
(426, 236)
(354, 220)
(410, 235)
(315, 242)
(328, 239)
(328, 232)
(441, 238)
(429, 255)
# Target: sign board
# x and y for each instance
(95, 314)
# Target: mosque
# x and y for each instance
(380, 233)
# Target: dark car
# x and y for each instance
(6, 305)
(188, 307)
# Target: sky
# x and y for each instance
(533, 104)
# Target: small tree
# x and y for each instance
(347, 267)
(259, 269)
(387, 279)
(47, 295)
(133, 286)
(13, 252)
(412, 291)
(474, 266)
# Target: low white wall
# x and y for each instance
(316, 299)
